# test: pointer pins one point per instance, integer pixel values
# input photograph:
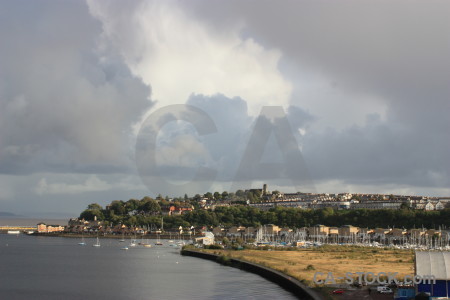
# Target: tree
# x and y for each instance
(240, 193)
(118, 207)
(95, 206)
(152, 207)
(147, 198)
(217, 196)
(91, 214)
(250, 197)
(224, 194)
(131, 221)
(131, 205)
(209, 195)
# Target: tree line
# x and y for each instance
(147, 211)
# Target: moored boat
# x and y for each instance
(97, 243)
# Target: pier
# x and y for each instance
(21, 229)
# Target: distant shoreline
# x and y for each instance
(118, 236)
(17, 221)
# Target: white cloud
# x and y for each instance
(178, 55)
(184, 151)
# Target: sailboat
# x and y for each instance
(172, 243)
(180, 242)
(146, 244)
(132, 242)
(123, 238)
(82, 243)
(158, 241)
(97, 244)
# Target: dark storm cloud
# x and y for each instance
(378, 154)
(67, 101)
(369, 42)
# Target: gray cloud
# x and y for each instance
(67, 101)
(379, 153)
(394, 53)
(223, 150)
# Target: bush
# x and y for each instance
(224, 260)
(213, 246)
(310, 268)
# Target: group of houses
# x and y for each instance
(172, 210)
(44, 228)
(336, 203)
(268, 200)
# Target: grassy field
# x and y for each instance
(304, 263)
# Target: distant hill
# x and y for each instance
(7, 214)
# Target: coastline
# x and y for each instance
(289, 283)
(115, 236)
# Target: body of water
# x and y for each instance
(34, 267)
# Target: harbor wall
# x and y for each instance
(300, 290)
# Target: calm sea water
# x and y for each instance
(58, 268)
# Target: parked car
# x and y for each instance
(381, 287)
(339, 291)
(386, 290)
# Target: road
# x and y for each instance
(363, 294)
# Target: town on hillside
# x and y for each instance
(261, 216)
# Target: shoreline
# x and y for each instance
(115, 236)
(300, 290)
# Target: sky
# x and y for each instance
(107, 100)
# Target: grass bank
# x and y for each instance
(302, 264)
